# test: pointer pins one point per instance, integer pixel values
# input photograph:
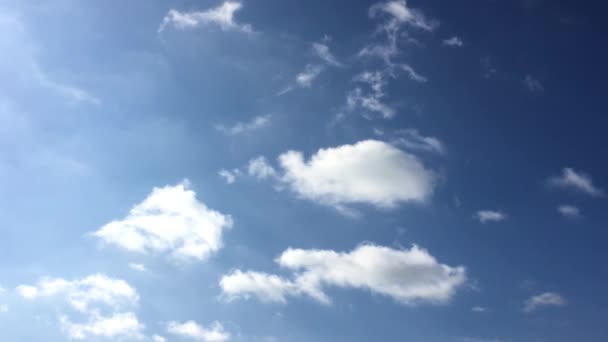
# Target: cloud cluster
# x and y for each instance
(192, 330)
(91, 296)
(222, 16)
(170, 220)
(409, 276)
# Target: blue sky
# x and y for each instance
(302, 171)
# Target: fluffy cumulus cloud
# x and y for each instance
(544, 300)
(255, 124)
(120, 326)
(370, 171)
(170, 220)
(222, 16)
(576, 180)
(569, 211)
(90, 296)
(409, 276)
(485, 216)
(192, 330)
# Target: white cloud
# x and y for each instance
(453, 42)
(532, 84)
(244, 127)
(157, 338)
(138, 267)
(490, 216)
(190, 329)
(170, 220)
(412, 74)
(3, 308)
(412, 139)
(120, 326)
(479, 309)
(543, 300)
(310, 73)
(81, 294)
(408, 276)
(222, 16)
(371, 102)
(323, 52)
(402, 14)
(571, 179)
(229, 176)
(369, 171)
(259, 168)
(88, 296)
(569, 211)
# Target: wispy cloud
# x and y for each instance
(256, 123)
(323, 52)
(413, 140)
(485, 216)
(453, 42)
(569, 211)
(575, 180)
(533, 85)
(222, 16)
(544, 300)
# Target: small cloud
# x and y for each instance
(533, 85)
(479, 309)
(579, 181)
(569, 211)
(310, 73)
(192, 330)
(259, 168)
(412, 74)
(399, 13)
(3, 308)
(453, 42)
(138, 267)
(256, 123)
(222, 16)
(229, 176)
(323, 52)
(485, 216)
(544, 300)
(413, 140)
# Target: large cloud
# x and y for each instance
(408, 276)
(369, 171)
(170, 220)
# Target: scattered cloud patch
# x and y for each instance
(409, 276)
(222, 16)
(259, 168)
(244, 127)
(192, 330)
(229, 176)
(575, 180)
(322, 51)
(533, 85)
(453, 42)
(485, 216)
(544, 300)
(412, 74)
(310, 73)
(400, 13)
(88, 296)
(479, 309)
(170, 220)
(569, 211)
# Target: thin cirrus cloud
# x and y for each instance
(323, 52)
(255, 124)
(368, 172)
(413, 140)
(192, 330)
(571, 179)
(485, 216)
(569, 211)
(88, 296)
(533, 85)
(547, 299)
(222, 16)
(409, 276)
(453, 42)
(170, 220)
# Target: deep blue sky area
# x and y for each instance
(296, 171)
